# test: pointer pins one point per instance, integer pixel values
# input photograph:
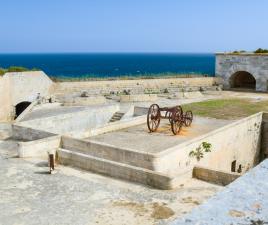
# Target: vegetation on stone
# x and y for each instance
(15, 69)
(198, 153)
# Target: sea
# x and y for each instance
(114, 65)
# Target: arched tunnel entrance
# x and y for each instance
(243, 79)
(20, 107)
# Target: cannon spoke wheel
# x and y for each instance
(176, 121)
(188, 118)
(153, 117)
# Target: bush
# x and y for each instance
(16, 69)
(2, 71)
(238, 52)
(260, 50)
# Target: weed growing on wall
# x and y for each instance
(199, 152)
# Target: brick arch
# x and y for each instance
(242, 79)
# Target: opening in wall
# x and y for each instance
(233, 166)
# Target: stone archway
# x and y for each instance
(20, 107)
(243, 79)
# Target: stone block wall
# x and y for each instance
(255, 64)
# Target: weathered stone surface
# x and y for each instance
(242, 202)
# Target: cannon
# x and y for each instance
(175, 115)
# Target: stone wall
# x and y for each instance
(255, 64)
(76, 124)
(28, 134)
(239, 141)
(5, 99)
(148, 86)
(25, 86)
(19, 87)
(242, 202)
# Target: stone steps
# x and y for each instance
(118, 170)
(109, 152)
(116, 117)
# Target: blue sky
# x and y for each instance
(132, 25)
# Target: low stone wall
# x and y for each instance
(77, 124)
(138, 110)
(121, 124)
(137, 86)
(28, 134)
(38, 148)
(84, 101)
(242, 202)
(138, 98)
(239, 141)
(214, 176)
(5, 130)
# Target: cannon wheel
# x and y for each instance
(176, 121)
(153, 117)
(188, 118)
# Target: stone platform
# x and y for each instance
(138, 138)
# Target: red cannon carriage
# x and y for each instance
(175, 115)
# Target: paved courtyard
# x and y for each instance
(30, 196)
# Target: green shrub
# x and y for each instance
(2, 71)
(260, 50)
(238, 52)
(17, 69)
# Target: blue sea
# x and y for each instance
(105, 65)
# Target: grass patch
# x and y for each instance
(227, 108)
(15, 69)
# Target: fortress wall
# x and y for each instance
(255, 64)
(25, 86)
(136, 86)
(76, 124)
(19, 87)
(240, 141)
(5, 99)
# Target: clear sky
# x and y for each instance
(132, 25)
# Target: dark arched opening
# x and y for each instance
(20, 107)
(243, 79)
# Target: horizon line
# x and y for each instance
(1, 53)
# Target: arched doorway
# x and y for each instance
(20, 107)
(243, 79)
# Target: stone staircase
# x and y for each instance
(116, 117)
(116, 162)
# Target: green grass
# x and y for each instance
(227, 108)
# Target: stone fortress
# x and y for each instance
(100, 126)
(243, 70)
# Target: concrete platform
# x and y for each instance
(138, 137)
